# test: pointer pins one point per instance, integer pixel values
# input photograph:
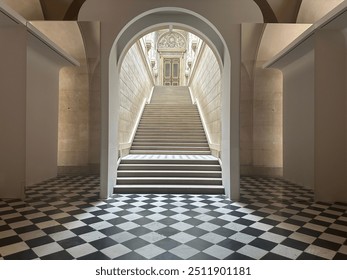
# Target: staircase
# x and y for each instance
(170, 152)
(170, 125)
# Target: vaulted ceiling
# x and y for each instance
(274, 11)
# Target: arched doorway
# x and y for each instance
(190, 21)
(121, 21)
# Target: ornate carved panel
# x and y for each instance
(171, 41)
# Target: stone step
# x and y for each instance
(168, 181)
(170, 133)
(169, 189)
(169, 144)
(171, 148)
(169, 166)
(168, 173)
(182, 130)
(171, 161)
(170, 140)
(169, 152)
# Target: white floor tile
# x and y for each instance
(150, 251)
(252, 252)
(184, 251)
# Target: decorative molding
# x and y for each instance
(171, 41)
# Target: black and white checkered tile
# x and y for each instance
(64, 219)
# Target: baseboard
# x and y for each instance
(262, 171)
(92, 169)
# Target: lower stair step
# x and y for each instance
(129, 167)
(168, 181)
(169, 152)
(172, 173)
(168, 189)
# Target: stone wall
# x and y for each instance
(205, 85)
(136, 84)
(73, 144)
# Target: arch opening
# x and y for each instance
(170, 58)
(145, 23)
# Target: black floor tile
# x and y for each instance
(197, 232)
(244, 222)
(24, 255)
(39, 241)
(54, 229)
(139, 231)
(327, 244)
(263, 244)
(131, 256)
(253, 231)
(82, 230)
(202, 256)
(302, 246)
(10, 240)
(340, 256)
(103, 243)
(95, 256)
(199, 244)
(62, 255)
(167, 256)
(167, 231)
(167, 244)
(272, 256)
(237, 256)
(281, 231)
(309, 232)
(92, 220)
(307, 256)
(71, 242)
(231, 244)
(135, 243)
(26, 229)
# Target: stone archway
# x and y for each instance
(158, 19)
(123, 21)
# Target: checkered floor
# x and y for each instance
(63, 219)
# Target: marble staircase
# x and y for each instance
(170, 151)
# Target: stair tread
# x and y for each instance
(171, 171)
(171, 186)
(170, 178)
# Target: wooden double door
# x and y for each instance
(171, 71)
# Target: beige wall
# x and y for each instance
(29, 9)
(330, 116)
(246, 121)
(313, 10)
(29, 109)
(74, 116)
(94, 119)
(43, 65)
(12, 111)
(284, 34)
(79, 95)
(205, 85)
(298, 121)
(261, 97)
(267, 119)
(135, 88)
(285, 10)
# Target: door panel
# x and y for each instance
(171, 72)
